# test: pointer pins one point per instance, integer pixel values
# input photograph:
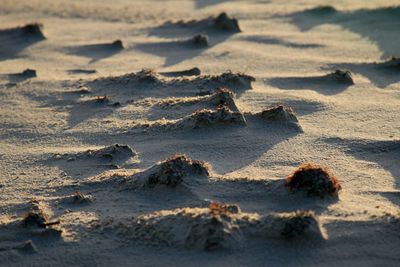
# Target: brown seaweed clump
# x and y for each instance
(170, 172)
(343, 76)
(226, 23)
(314, 180)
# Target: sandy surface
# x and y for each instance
(138, 205)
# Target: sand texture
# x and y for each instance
(199, 133)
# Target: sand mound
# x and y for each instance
(207, 117)
(222, 22)
(314, 180)
(221, 97)
(219, 226)
(280, 114)
(22, 76)
(170, 173)
(34, 224)
(28, 73)
(226, 23)
(196, 228)
(148, 83)
(224, 97)
(32, 30)
(298, 224)
(342, 76)
(198, 41)
(37, 217)
(230, 80)
(113, 153)
(144, 77)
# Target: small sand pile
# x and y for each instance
(170, 173)
(117, 44)
(280, 114)
(32, 30)
(16, 234)
(222, 23)
(298, 224)
(113, 153)
(226, 23)
(36, 217)
(29, 73)
(195, 228)
(342, 76)
(221, 97)
(314, 180)
(232, 80)
(145, 76)
(207, 117)
(224, 97)
(198, 41)
(220, 226)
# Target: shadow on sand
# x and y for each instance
(378, 25)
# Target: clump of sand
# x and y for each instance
(219, 226)
(223, 22)
(207, 117)
(198, 41)
(31, 30)
(227, 23)
(280, 114)
(314, 180)
(232, 80)
(114, 153)
(170, 173)
(343, 76)
(221, 97)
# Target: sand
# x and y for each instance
(161, 133)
